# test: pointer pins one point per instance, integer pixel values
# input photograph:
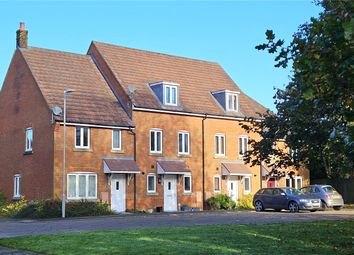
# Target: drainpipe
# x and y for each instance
(134, 176)
(203, 162)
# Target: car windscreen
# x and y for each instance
(291, 191)
(329, 189)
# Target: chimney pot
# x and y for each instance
(21, 36)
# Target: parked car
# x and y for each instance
(328, 195)
(285, 198)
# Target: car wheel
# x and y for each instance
(258, 206)
(323, 205)
(337, 208)
(293, 207)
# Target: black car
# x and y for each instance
(285, 198)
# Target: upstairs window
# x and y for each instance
(82, 137)
(242, 146)
(29, 139)
(231, 102)
(170, 95)
(116, 140)
(155, 141)
(219, 145)
(183, 143)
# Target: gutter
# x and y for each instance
(134, 176)
(203, 161)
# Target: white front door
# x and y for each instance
(118, 192)
(232, 188)
(170, 193)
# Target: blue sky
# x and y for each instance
(224, 32)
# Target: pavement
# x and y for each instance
(14, 228)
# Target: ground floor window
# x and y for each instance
(82, 186)
(17, 179)
(187, 182)
(151, 183)
(217, 184)
(295, 182)
(247, 182)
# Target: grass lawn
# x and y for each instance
(326, 237)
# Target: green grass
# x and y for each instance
(326, 237)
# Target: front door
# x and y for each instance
(118, 192)
(170, 193)
(232, 188)
(271, 183)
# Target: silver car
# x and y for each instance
(328, 195)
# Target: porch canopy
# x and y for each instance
(265, 170)
(120, 166)
(172, 167)
(235, 169)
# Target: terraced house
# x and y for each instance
(144, 129)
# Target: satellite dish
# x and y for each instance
(57, 110)
(131, 89)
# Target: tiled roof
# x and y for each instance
(197, 80)
(172, 167)
(235, 168)
(92, 102)
(122, 165)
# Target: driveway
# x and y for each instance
(13, 228)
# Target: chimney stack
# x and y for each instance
(21, 36)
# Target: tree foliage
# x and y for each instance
(315, 111)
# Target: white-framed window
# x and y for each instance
(82, 186)
(183, 142)
(82, 137)
(298, 182)
(17, 190)
(187, 183)
(155, 140)
(288, 182)
(151, 183)
(217, 183)
(242, 145)
(116, 139)
(171, 95)
(231, 102)
(247, 183)
(29, 139)
(295, 182)
(219, 145)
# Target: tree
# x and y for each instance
(315, 111)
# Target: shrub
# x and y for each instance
(2, 199)
(12, 209)
(246, 202)
(52, 209)
(220, 201)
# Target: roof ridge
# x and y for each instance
(157, 53)
(52, 50)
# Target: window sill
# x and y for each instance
(152, 194)
(187, 193)
(184, 155)
(217, 191)
(16, 198)
(220, 156)
(156, 154)
(82, 199)
(28, 153)
(83, 149)
(117, 151)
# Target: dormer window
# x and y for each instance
(170, 95)
(232, 102)
(227, 99)
(166, 92)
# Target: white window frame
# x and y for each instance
(183, 152)
(81, 146)
(171, 87)
(234, 101)
(119, 142)
(147, 183)
(244, 139)
(219, 190)
(290, 182)
(249, 181)
(29, 139)
(218, 146)
(190, 184)
(77, 174)
(153, 132)
(17, 187)
(295, 180)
